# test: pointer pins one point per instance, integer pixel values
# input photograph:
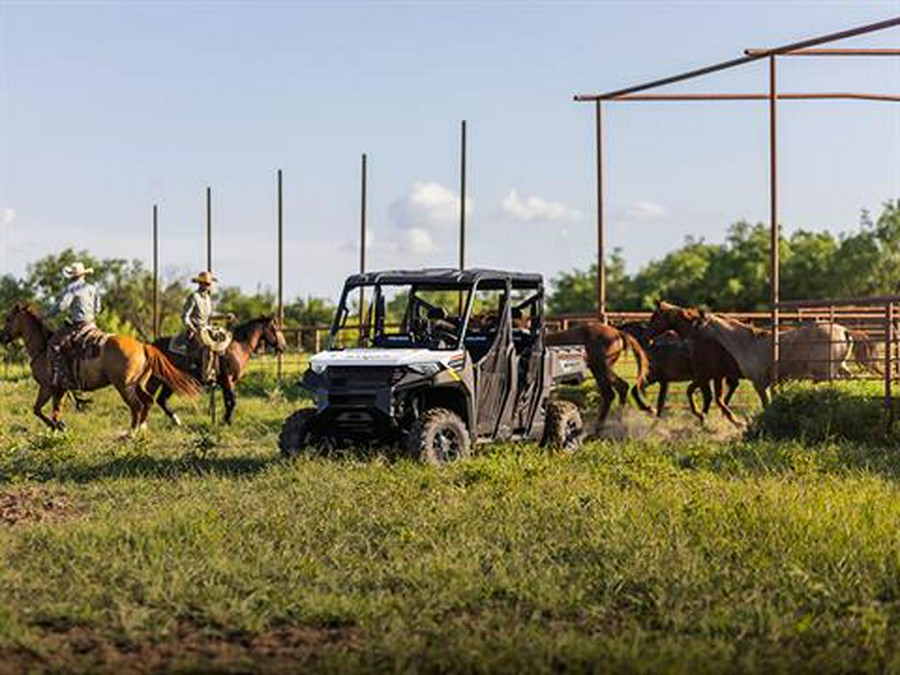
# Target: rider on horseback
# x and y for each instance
(197, 317)
(81, 303)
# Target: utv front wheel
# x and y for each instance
(439, 436)
(563, 428)
(297, 434)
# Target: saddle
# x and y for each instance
(84, 344)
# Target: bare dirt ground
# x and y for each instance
(31, 505)
(188, 649)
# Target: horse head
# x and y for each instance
(672, 317)
(12, 327)
(272, 334)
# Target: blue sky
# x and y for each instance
(108, 107)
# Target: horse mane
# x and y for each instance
(242, 331)
(32, 313)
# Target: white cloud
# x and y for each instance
(7, 216)
(645, 210)
(428, 206)
(418, 241)
(533, 208)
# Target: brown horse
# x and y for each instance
(247, 338)
(604, 345)
(123, 362)
(710, 361)
(670, 361)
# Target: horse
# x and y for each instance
(815, 351)
(710, 361)
(670, 361)
(603, 346)
(246, 338)
(123, 362)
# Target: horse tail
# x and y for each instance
(643, 361)
(163, 369)
(864, 351)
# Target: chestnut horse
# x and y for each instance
(710, 361)
(123, 362)
(604, 345)
(247, 337)
(670, 361)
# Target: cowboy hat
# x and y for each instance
(76, 270)
(204, 277)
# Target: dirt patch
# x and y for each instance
(190, 649)
(32, 505)
(623, 425)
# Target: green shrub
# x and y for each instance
(810, 412)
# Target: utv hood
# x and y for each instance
(385, 357)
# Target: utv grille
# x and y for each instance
(363, 377)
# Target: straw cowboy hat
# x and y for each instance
(205, 278)
(76, 270)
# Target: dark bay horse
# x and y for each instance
(670, 361)
(603, 346)
(123, 362)
(710, 361)
(247, 337)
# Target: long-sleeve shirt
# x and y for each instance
(81, 302)
(197, 311)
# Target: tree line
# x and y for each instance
(127, 288)
(734, 275)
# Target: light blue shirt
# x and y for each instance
(81, 301)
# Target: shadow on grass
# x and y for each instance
(136, 467)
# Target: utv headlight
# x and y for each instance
(317, 367)
(426, 369)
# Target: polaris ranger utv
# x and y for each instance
(465, 364)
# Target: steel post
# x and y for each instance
(363, 178)
(209, 266)
(155, 272)
(889, 367)
(280, 273)
(775, 238)
(601, 222)
(462, 197)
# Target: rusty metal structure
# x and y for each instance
(805, 48)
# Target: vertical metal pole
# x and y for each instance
(209, 266)
(601, 223)
(774, 260)
(462, 198)
(888, 368)
(362, 244)
(155, 272)
(280, 272)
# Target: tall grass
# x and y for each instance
(641, 556)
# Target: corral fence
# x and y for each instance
(871, 352)
(866, 351)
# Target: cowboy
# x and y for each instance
(81, 303)
(197, 317)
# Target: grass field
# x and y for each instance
(199, 549)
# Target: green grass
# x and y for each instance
(200, 548)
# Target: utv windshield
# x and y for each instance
(384, 315)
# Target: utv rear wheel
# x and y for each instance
(563, 428)
(439, 436)
(297, 435)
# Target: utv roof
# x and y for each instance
(448, 276)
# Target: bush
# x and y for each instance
(810, 412)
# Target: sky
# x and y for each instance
(109, 107)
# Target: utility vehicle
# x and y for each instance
(439, 360)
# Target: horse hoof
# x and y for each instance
(59, 425)
(176, 420)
